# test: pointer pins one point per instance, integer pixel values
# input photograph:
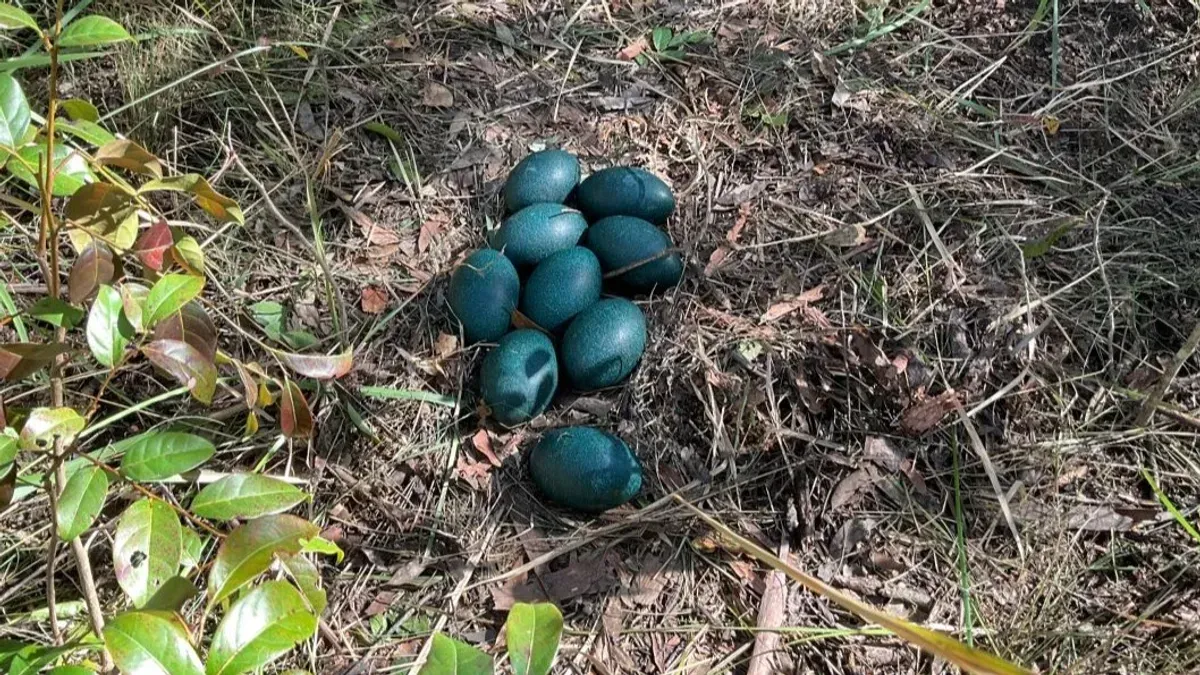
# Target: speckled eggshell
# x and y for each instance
(626, 191)
(603, 344)
(561, 286)
(483, 292)
(545, 176)
(585, 468)
(519, 377)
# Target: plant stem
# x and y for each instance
(48, 250)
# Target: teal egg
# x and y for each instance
(621, 241)
(519, 376)
(603, 344)
(484, 291)
(530, 235)
(626, 191)
(546, 176)
(585, 468)
(561, 286)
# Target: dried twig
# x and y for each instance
(1160, 389)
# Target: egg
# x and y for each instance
(561, 286)
(621, 241)
(546, 176)
(626, 191)
(585, 468)
(603, 344)
(519, 376)
(484, 290)
(530, 235)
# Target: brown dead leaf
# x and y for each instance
(398, 42)
(519, 320)
(633, 49)
(847, 236)
(483, 443)
(851, 487)
(381, 603)
(784, 307)
(881, 452)
(407, 573)
(476, 474)
(437, 96)
(649, 581)
(583, 576)
(374, 300)
(429, 229)
(909, 468)
(745, 571)
(739, 224)
(445, 345)
(924, 415)
(716, 260)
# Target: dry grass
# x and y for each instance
(1046, 270)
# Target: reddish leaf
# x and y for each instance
(792, 303)
(295, 417)
(191, 325)
(153, 245)
(19, 360)
(374, 300)
(632, 50)
(249, 387)
(8, 484)
(186, 364)
(99, 207)
(319, 366)
(925, 415)
(94, 267)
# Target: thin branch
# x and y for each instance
(1160, 389)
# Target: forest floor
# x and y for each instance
(938, 256)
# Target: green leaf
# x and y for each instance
(169, 294)
(9, 446)
(532, 633)
(451, 657)
(151, 643)
(661, 38)
(323, 546)
(15, 115)
(193, 550)
(172, 595)
(86, 131)
(108, 332)
(72, 670)
(298, 339)
(216, 204)
(79, 110)
(93, 31)
(189, 255)
(56, 312)
(81, 501)
(269, 315)
(31, 659)
(156, 455)
(13, 17)
(187, 365)
(71, 170)
(1040, 247)
(385, 131)
(147, 548)
(307, 578)
(248, 551)
(245, 495)
(45, 424)
(133, 299)
(262, 626)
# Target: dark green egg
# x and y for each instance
(533, 233)
(546, 176)
(603, 344)
(483, 293)
(585, 468)
(626, 191)
(561, 286)
(621, 241)
(519, 376)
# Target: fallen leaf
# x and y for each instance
(398, 42)
(742, 193)
(429, 229)
(374, 300)
(381, 603)
(483, 443)
(437, 96)
(925, 415)
(851, 487)
(650, 580)
(847, 236)
(445, 345)
(743, 217)
(476, 474)
(407, 573)
(633, 49)
(781, 309)
(881, 452)
(716, 260)
(825, 67)
(583, 576)
(844, 97)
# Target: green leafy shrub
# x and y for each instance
(133, 295)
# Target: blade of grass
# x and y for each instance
(393, 394)
(939, 644)
(960, 546)
(1170, 506)
(10, 309)
(884, 29)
